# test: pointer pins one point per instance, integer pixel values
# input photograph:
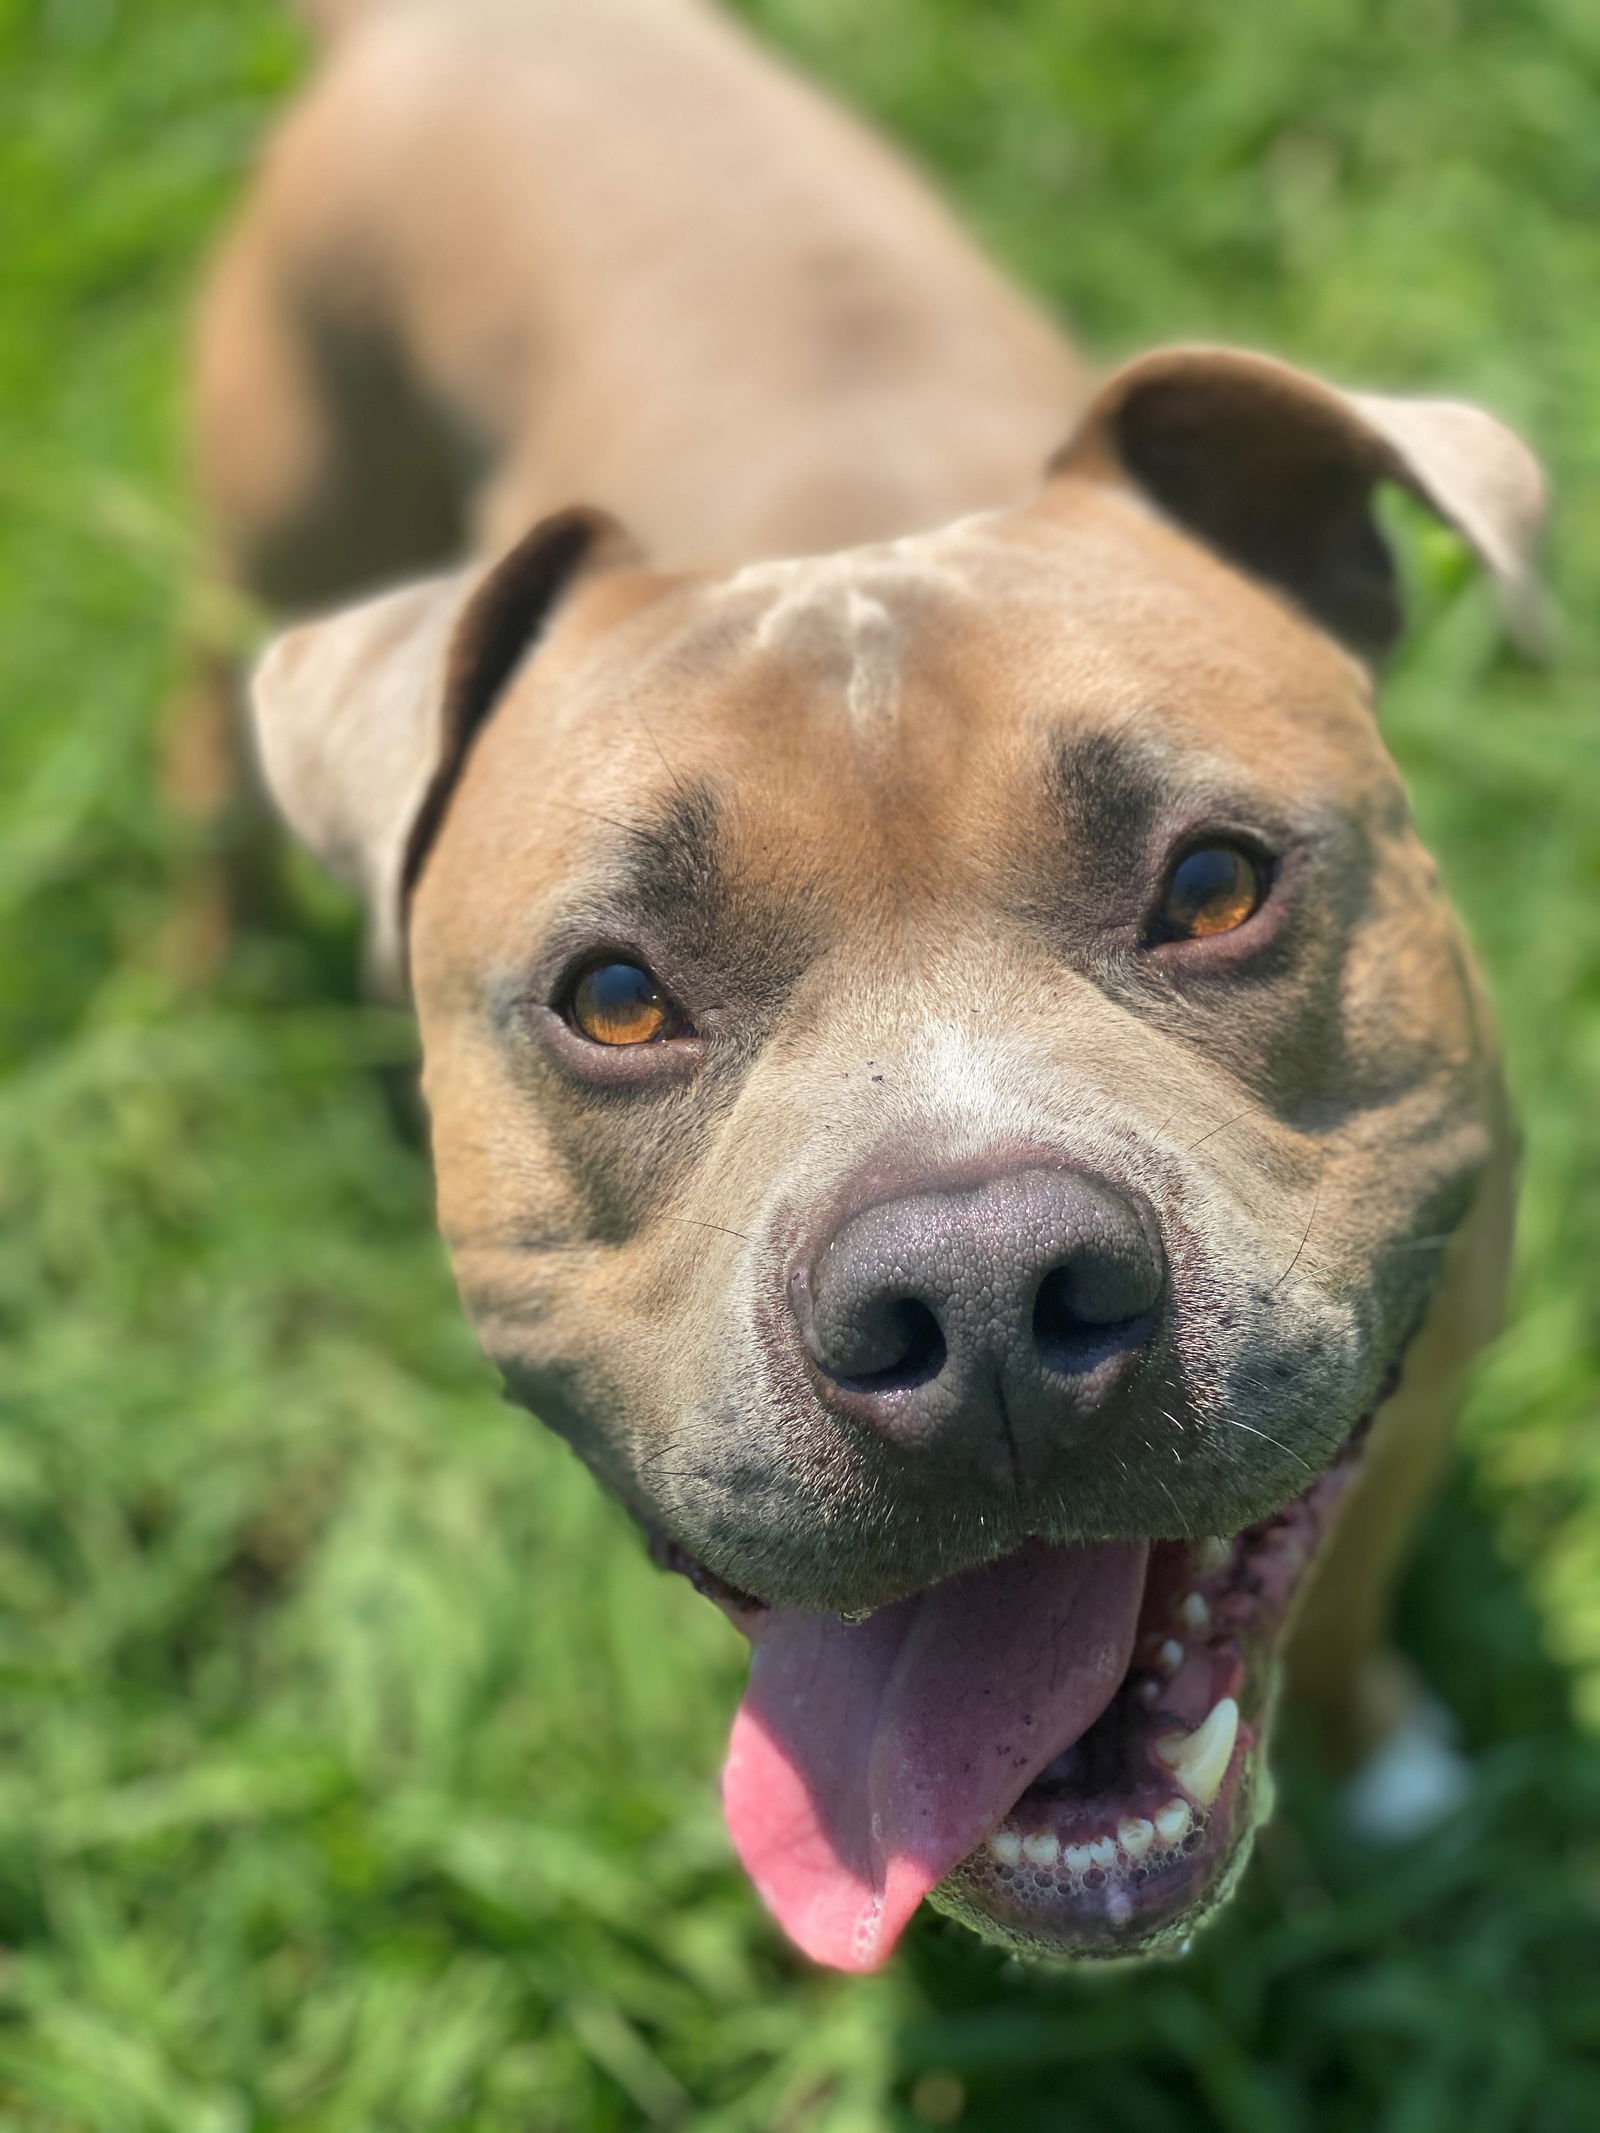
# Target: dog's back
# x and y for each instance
(511, 252)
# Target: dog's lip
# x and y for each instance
(743, 1606)
(1083, 1900)
(1105, 1873)
(740, 1604)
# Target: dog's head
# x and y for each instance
(950, 1071)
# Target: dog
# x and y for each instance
(953, 1083)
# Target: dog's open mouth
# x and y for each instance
(1065, 1749)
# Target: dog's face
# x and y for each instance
(896, 842)
(950, 1069)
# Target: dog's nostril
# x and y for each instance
(967, 1312)
(912, 1340)
(1073, 1328)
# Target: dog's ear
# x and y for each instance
(1277, 472)
(363, 720)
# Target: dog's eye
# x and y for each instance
(620, 1003)
(1213, 889)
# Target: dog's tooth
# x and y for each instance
(1194, 1614)
(1199, 1760)
(1103, 1851)
(1136, 1836)
(1041, 1850)
(1172, 1821)
(1212, 1554)
(1148, 1692)
(1078, 1858)
(1171, 1656)
(1006, 1846)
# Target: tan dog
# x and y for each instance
(954, 1085)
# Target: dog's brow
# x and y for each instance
(669, 863)
(676, 876)
(1108, 787)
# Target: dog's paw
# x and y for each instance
(1412, 1780)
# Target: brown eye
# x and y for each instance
(1212, 889)
(619, 1003)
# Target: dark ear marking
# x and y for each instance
(1277, 472)
(1282, 490)
(363, 719)
(500, 625)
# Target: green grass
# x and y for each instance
(355, 1773)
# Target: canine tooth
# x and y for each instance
(1172, 1821)
(1103, 1851)
(1148, 1692)
(1136, 1836)
(1195, 1614)
(1199, 1760)
(1171, 1656)
(1006, 1846)
(1078, 1858)
(1041, 1850)
(1213, 1554)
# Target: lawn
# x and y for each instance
(357, 1772)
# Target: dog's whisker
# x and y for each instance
(656, 1464)
(594, 814)
(1299, 1458)
(679, 783)
(1176, 1506)
(694, 1222)
(1215, 1130)
(1305, 1238)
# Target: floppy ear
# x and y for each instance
(1276, 471)
(363, 720)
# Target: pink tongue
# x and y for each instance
(866, 1760)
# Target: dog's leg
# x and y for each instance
(325, 468)
(323, 473)
(225, 854)
(1358, 1694)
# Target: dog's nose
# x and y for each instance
(984, 1321)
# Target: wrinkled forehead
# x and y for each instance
(893, 709)
(1091, 617)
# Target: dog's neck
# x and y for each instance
(781, 345)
